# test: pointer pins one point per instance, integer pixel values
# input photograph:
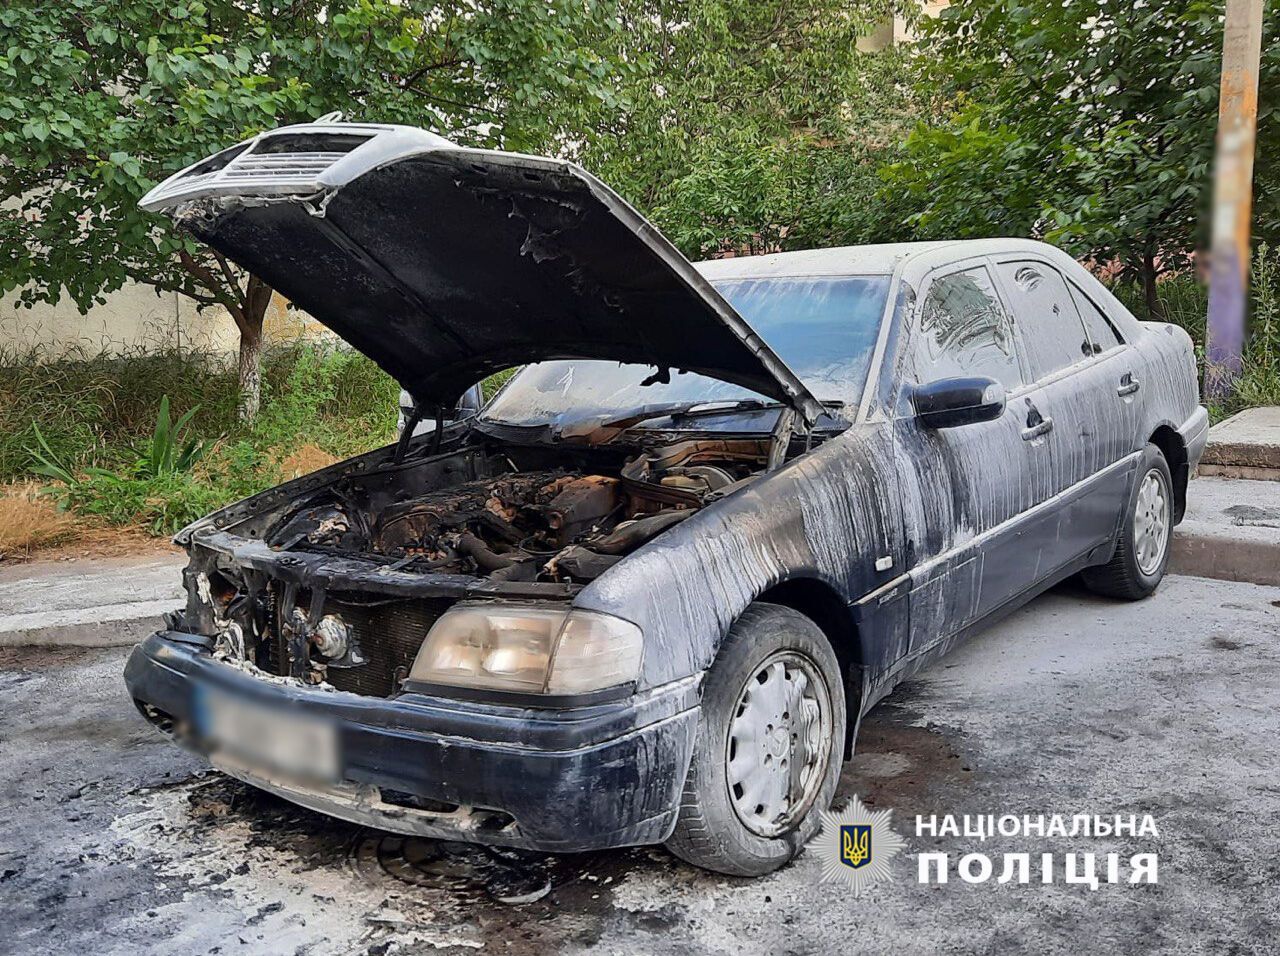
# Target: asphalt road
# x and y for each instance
(113, 841)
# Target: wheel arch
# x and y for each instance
(821, 603)
(1170, 443)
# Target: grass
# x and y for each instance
(97, 417)
(94, 410)
(1186, 303)
(30, 521)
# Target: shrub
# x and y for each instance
(102, 426)
(1186, 303)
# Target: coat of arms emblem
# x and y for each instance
(856, 845)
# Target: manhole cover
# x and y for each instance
(467, 869)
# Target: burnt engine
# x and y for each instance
(556, 524)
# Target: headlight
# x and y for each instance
(531, 649)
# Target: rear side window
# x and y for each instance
(964, 330)
(1052, 332)
(1101, 330)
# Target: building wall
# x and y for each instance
(896, 30)
(136, 317)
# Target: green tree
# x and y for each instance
(1089, 124)
(101, 99)
(752, 127)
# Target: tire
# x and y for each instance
(1135, 571)
(716, 829)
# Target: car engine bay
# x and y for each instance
(544, 522)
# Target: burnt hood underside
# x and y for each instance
(447, 264)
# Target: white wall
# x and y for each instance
(895, 30)
(136, 317)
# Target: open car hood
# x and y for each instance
(445, 264)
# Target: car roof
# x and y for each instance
(888, 258)
(878, 259)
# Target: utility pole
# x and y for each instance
(1233, 196)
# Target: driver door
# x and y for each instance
(968, 491)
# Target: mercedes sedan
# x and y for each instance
(648, 592)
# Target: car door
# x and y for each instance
(965, 489)
(1072, 364)
(1115, 374)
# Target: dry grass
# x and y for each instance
(30, 521)
(304, 460)
(31, 526)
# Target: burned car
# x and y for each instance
(647, 594)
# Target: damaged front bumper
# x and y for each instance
(582, 778)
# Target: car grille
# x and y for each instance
(289, 161)
(388, 634)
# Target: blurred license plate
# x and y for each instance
(273, 739)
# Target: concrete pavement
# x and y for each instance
(103, 602)
(115, 841)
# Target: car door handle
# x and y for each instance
(1042, 427)
(1128, 385)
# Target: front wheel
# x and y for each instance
(769, 746)
(1142, 552)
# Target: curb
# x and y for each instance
(118, 625)
(1231, 531)
(1204, 555)
(106, 602)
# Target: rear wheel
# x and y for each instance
(769, 746)
(1142, 552)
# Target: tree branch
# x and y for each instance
(210, 282)
(447, 102)
(419, 73)
(230, 276)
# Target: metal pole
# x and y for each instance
(1232, 195)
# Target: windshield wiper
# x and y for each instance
(601, 428)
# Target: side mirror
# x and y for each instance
(951, 402)
(468, 406)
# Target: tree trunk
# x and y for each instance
(1155, 309)
(257, 298)
(250, 374)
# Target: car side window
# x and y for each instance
(1101, 330)
(1052, 332)
(964, 330)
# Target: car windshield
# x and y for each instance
(824, 329)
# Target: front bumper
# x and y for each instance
(604, 775)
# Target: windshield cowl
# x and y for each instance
(757, 420)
